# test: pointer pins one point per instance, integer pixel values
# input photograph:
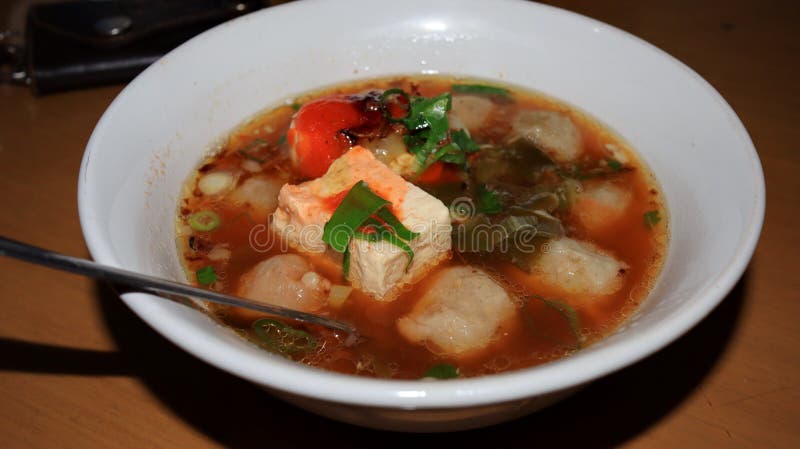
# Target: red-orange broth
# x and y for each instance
(539, 332)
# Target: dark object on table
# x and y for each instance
(85, 43)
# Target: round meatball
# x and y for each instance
(462, 312)
(259, 194)
(552, 132)
(286, 280)
(601, 205)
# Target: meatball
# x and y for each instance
(552, 132)
(601, 205)
(471, 111)
(462, 312)
(259, 194)
(579, 268)
(286, 280)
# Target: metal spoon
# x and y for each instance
(150, 284)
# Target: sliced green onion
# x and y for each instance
(385, 235)
(282, 338)
(651, 218)
(442, 371)
(396, 226)
(360, 211)
(204, 220)
(356, 207)
(479, 89)
(385, 96)
(206, 275)
(614, 164)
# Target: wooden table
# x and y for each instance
(78, 370)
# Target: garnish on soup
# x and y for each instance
(466, 228)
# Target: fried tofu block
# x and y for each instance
(377, 268)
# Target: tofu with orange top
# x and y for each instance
(378, 268)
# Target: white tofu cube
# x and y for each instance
(377, 268)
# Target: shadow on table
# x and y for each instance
(236, 413)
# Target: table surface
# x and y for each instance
(77, 369)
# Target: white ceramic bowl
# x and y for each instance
(156, 130)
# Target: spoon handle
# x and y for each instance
(150, 284)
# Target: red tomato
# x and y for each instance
(315, 134)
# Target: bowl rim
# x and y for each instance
(555, 376)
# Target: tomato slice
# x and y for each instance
(316, 133)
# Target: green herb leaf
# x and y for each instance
(442, 371)
(384, 235)
(429, 113)
(651, 218)
(449, 153)
(614, 164)
(282, 338)
(204, 221)
(282, 139)
(479, 89)
(428, 124)
(461, 138)
(395, 225)
(206, 275)
(569, 314)
(296, 106)
(362, 214)
(356, 207)
(488, 201)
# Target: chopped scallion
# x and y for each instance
(356, 207)
(282, 338)
(204, 221)
(479, 89)
(362, 214)
(387, 94)
(442, 371)
(206, 275)
(384, 235)
(651, 218)
(614, 164)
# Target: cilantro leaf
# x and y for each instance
(488, 202)
(651, 218)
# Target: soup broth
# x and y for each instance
(556, 230)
